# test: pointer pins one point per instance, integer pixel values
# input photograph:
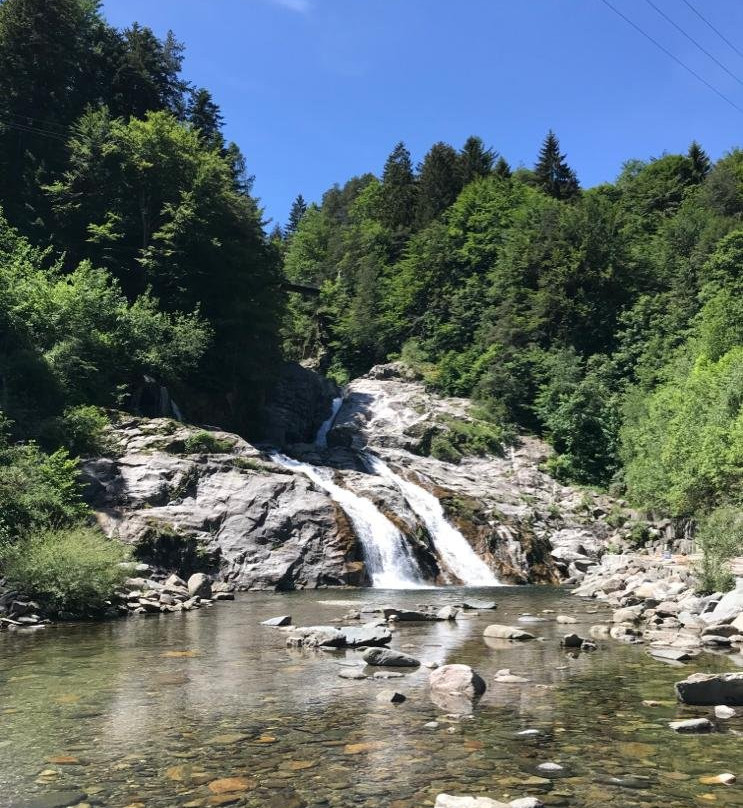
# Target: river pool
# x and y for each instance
(210, 708)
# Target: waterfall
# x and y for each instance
(453, 549)
(386, 555)
(321, 438)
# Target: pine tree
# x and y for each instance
(475, 160)
(205, 116)
(553, 175)
(700, 162)
(398, 190)
(296, 214)
(439, 182)
(502, 169)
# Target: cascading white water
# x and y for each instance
(321, 438)
(453, 549)
(385, 552)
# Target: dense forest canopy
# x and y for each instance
(608, 320)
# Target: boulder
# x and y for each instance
(390, 697)
(711, 689)
(458, 680)
(571, 641)
(565, 619)
(480, 605)
(447, 613)
(407, 615)
(315, 636)
(690, 725)
(368, 634)
(506, 633)
(673, 654)
(723, 712)
(729, 608)
(389, 658)
(200, 585)
(284, 620)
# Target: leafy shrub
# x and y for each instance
(74, 570)
(720, 538)
(37, 490)
(206, 443)
(82, 430)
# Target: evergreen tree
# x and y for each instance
(205, 116)
(700, 162)
(553, 175)
(501, 168)
(296, 214)
(439, 182)
(397, 209)
(475, 160)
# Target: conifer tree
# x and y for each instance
(553, 175)
(296, 214)
(475, 160)
(501, 168)
(398, 190)
(439, 182)
(205, 116)
(700, 162)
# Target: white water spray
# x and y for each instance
(321, 438)
(385, 551)
(453, 549)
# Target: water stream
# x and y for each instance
(453, 549)
(386, 553)
(151, 710)
(321, 438)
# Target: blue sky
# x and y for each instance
(315, 91)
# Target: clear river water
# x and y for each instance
(210, 708)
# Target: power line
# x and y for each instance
(719, 33)
(691, 39)
(33, 131)
(672, 56)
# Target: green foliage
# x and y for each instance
(461, 438)
(73, 570)
(207, 443)
(720, 538)
(37, 490)
(82, 430)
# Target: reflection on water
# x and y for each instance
(154, 710)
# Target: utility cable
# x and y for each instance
(672, 56)
(693, 41)
(709, 24)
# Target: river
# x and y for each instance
(149, 711)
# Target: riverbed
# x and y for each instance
(211, 708)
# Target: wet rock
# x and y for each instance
(449, 801)
(571, 641)
(565, 619)
(689, 725)
(447, 613)
(368, 634)
(506, 633)
(711, 689)
(725, 779)
(53, 799)
(407, 615)
(550, 767)
(480, 605)
(389, 658)
(673, 654)
(390, 696)
(230, 785)
(284, 620)
(352, 674)
(200, 585)
(505, 677)
(458, 680)
(388, 675)
(316, 636)
(723, 712)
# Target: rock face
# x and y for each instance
(223, 507)
(711, 688)
(234, 513)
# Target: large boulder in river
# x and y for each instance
(506, 633)
(455, 687)
(200, 585)
(729, 607)
(371, 634)
(389, 658)
(711, 688)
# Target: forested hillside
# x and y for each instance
(608, 319)
(133, 258)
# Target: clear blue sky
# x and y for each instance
(315, 91)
